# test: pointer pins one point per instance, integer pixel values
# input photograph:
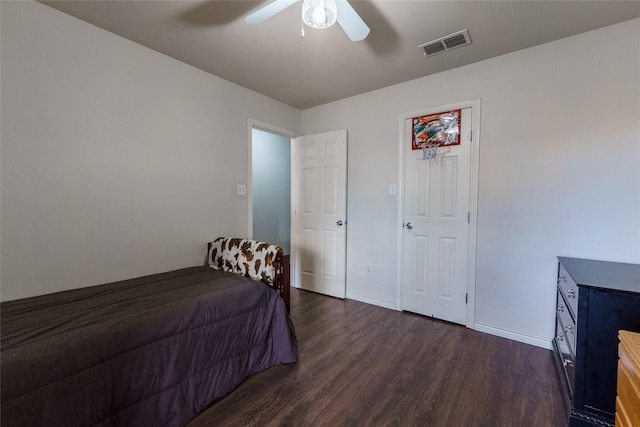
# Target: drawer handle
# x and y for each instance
(560, 278)
(560, 337)
(568, 328)
(561, 307)
(567, 362)
(570, 292)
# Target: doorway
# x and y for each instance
(269, 179)
(271, 188)
(308, 220)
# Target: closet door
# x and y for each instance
(436, 235)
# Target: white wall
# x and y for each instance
(117, 161)
(559, 171)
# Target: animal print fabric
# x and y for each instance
(247, 257)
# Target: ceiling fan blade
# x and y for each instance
(268, 11)
(351, 22)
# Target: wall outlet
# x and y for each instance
(368, 269)
(241, 190)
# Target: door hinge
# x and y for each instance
(468, 217)
(466, 298)
(471, 135)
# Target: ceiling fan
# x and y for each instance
(318, 14)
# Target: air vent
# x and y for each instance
(443, 44)
(433, 48)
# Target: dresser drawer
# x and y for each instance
(566, 322)
(566, 357)
(569, 290)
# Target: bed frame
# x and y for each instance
(283, 280)
(282, 276)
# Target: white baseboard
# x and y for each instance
(372, 301)
(516, 336)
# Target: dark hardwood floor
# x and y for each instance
(362, 365)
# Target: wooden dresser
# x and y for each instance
(595, 299)
(628, 400)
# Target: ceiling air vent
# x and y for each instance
(443, 44)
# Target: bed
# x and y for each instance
(149, 351)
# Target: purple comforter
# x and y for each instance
(151, 351)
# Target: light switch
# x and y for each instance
(393, 189)
(241, 189)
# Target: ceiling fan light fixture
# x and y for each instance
(319, 14)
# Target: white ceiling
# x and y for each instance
(272, 58)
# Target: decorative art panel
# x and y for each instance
(436, 130)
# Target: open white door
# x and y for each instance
(319, 221)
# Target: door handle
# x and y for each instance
(409, 226)
(340, 223)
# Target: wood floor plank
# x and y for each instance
(362, 365)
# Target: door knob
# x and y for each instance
(340, 223)
(409, 226)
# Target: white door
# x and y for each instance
(319, 234)
(436, 228)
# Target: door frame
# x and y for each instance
(255, 124)
(475, 105)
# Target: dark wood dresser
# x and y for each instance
(595, 300)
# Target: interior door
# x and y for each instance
(319, 232)
(436, 228)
